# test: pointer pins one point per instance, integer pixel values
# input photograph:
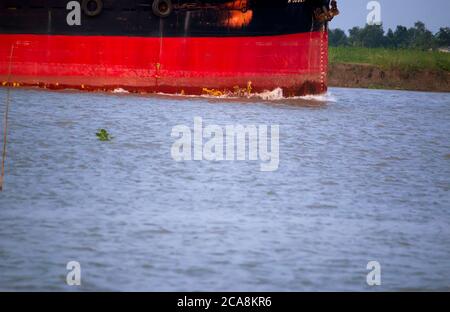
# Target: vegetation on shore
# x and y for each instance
(374, 36)
(414, 48)
(407, 58)
(403, 59)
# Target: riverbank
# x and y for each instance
(389, 69)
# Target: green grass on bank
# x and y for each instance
(389, 58)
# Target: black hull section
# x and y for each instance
(218, 18)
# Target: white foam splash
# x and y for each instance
(120, 90)
(327, 97)
(274, 95)
(277, 95)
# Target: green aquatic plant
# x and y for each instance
(103, 135)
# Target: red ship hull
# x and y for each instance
(297, 63)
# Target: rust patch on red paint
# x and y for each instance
(307, 88)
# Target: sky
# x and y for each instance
(434, 13)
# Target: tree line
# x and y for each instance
(374, 36)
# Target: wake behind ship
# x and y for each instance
(185, 47)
